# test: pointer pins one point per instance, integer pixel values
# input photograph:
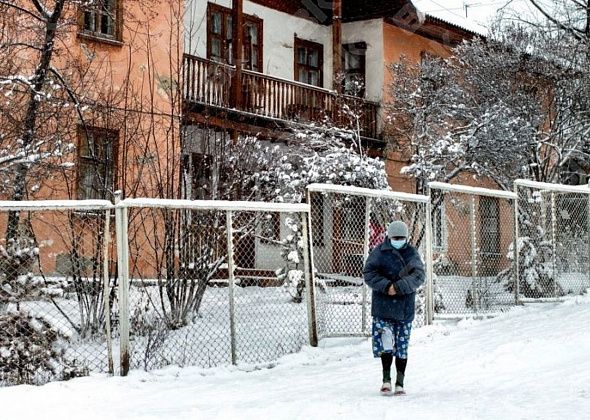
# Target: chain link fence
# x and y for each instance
(207, 283)
(472, 231)
(347, 223)
(554, 240)
(56, 288)
(216, 283)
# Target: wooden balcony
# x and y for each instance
(210, 83)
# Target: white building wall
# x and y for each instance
(370, 32)
(279, 31)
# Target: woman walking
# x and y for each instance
(394, 271)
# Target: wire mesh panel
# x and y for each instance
(178, 294)
(270, 308)
(554, 240)
(55, 291)
(473, 230)
(211, 285)
(347, 223)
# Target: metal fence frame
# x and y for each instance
(472, 192)
(369, 195)
(83, 206)
(229, 207)
(552, 189)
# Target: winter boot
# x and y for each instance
(386, 388)
(399, 390)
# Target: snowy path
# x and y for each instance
(533, 363)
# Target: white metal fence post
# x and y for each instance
(106, 291)
(475, 283)
(554, 242)
(308, 273)
(515, 249)
(368, 209)
(429, 301)
(231, 280)
(123, 274)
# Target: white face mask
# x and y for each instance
(398, 244)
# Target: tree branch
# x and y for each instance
(22, 9)
(572, 30)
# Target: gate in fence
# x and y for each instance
(554, 240)
(347, 222)
(473, 230)
(56, 290)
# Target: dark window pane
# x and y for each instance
(216, 23)
(301, 57)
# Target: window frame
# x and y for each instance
(309, 45)
(114, 38)
(112, 137)
(252, 20)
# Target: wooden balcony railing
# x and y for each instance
(210, 83)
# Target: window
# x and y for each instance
(309, 62)
(354, 64)
(101, 19)
(490, 225)
(439, 228)
(220, 38)
(96, 176)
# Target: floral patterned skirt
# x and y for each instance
(391, 337)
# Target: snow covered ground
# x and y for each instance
(530, 363)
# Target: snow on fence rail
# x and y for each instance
(472, 231)
(347, 223)
(553, 240)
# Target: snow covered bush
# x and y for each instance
(32, 350)
(536, 274)
(291, 274)
(17, 282)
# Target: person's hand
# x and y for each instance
(391, 291)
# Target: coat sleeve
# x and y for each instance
(373, 277)
(412, 278)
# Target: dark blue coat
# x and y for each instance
(404, 269)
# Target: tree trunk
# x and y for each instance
(30, 121)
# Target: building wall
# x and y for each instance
(136, 79)
(371, 32)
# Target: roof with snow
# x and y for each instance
(450, 14)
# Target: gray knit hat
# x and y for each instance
(397, 228)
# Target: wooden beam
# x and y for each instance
(237, 51)
(337, 44)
